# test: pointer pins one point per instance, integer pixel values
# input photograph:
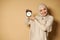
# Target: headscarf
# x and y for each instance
(41, 6)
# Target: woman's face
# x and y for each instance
(43, 11)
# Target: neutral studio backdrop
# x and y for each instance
(12, 18)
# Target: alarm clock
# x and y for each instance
(28, 13)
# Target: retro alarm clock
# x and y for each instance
(28, 13)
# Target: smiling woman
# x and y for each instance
(40, 25)
(12, 18)
(43, 9)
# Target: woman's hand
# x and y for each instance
(32, 18)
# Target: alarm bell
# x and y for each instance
(28, 13)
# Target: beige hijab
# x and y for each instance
(41, 6)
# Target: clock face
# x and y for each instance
(28, 13)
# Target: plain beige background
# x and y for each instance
(12, 18)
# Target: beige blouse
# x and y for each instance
(40, 27)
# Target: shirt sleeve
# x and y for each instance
(27, 21)
(47, 24)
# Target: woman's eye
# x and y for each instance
(44, 9)
(40, 10)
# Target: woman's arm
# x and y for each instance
(46, 25)
(27, 21)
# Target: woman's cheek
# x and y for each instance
(41, 12)
(45, 10)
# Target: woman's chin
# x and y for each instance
(43, 15)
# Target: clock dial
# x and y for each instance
(29, 14)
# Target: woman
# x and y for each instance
(40, 25)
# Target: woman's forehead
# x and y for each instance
(42, 8)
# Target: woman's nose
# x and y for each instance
(43, 11)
